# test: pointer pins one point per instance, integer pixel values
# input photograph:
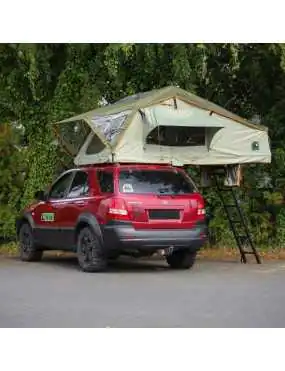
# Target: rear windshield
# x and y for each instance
(161, 182)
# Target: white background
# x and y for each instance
(141, 21)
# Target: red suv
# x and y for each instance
(102, 212)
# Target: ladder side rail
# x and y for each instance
(243, 220)
(232, 225)
(241, 240)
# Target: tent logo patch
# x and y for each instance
(255, 146)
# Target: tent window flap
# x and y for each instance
(177, 136)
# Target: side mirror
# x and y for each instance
(40, 196)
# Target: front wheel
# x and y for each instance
(27, 246)
(183, 259)
(90, 254)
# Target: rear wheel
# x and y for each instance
(27, 246)
(90, 254)
(183, 259)
(114, 257)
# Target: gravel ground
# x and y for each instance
(133, 293)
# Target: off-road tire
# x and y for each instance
(183, 259)
(28, 250)
(90, 251)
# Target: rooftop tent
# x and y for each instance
(168, 125)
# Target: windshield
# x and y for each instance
(162, 182)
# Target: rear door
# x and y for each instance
(160, 198)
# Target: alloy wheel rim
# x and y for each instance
(86, 248)
(26, 241)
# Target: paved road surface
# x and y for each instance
(54, 293)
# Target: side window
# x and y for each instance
(59, 189)
(106, 181)
(80, 186)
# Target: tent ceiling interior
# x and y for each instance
(168, 125)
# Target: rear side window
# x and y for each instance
(106, 181)
(80, 186)
(161, 182)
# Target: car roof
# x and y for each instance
(125, 166)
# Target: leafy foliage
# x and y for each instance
(43, 83)
(13, 166)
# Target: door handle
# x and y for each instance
(80, 203)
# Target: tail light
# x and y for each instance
(117, 210)
(201, 208)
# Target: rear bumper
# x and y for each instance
(124, 236)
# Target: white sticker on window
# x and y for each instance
(128, 188)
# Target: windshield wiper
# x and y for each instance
(163, 192)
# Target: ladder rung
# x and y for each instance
(243, 238)
(244, 241)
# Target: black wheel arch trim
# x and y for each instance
(25, 217)
(90, 220)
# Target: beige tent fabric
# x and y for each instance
(119, 132)
(155, 96)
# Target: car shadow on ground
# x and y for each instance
(125, 264)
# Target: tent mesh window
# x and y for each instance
(110, 126)
(177, 136)
(73, 134)
(95, 146)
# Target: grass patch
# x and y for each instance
(9, 248)
(226, 253)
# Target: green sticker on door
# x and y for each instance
(47, 217)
